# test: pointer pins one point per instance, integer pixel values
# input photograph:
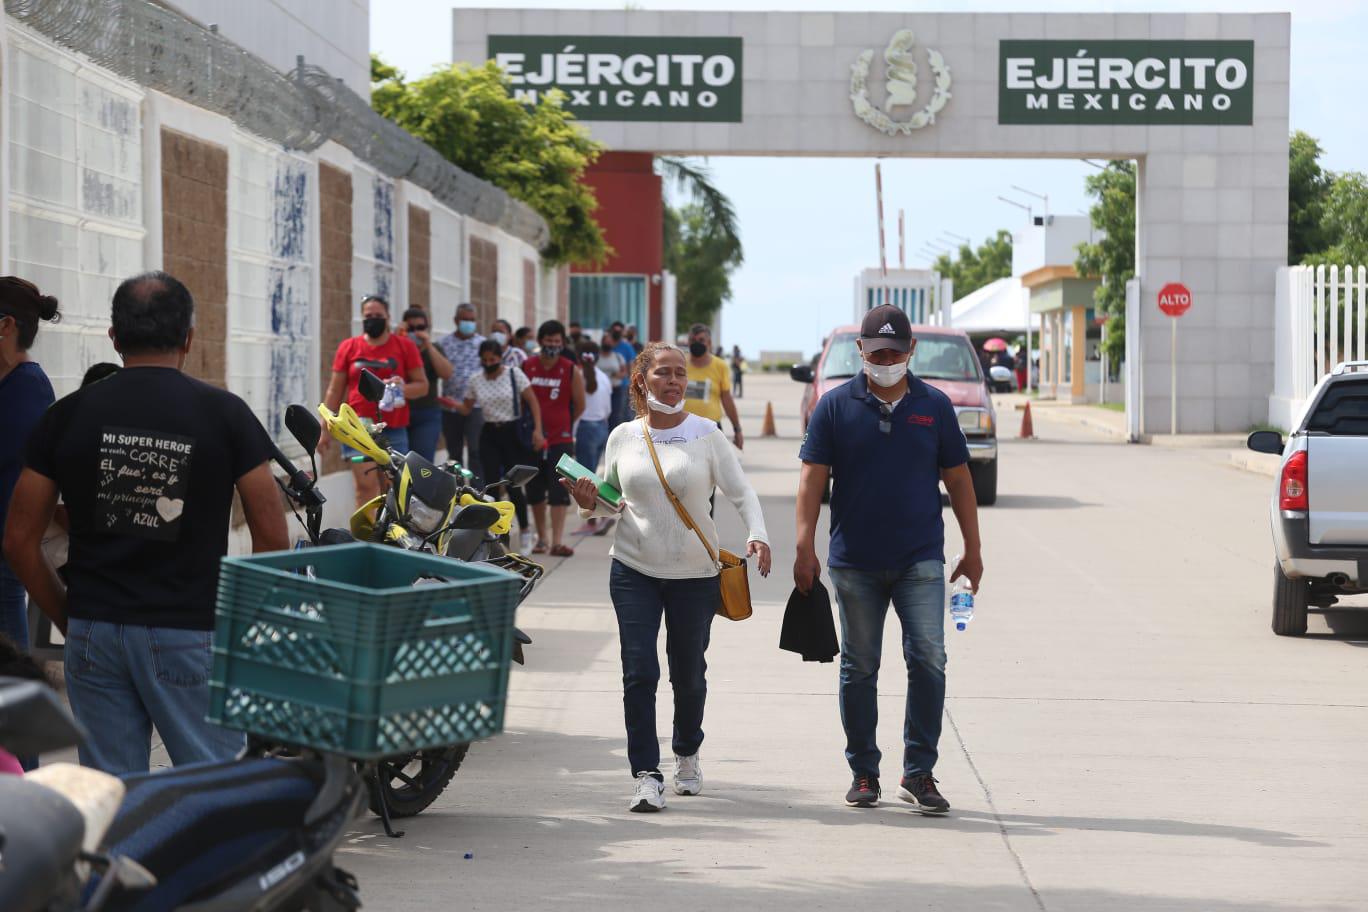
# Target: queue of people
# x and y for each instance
(135, 600)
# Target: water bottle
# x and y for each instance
(392, 398)
(961, 601)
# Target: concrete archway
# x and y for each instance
(1200, 101)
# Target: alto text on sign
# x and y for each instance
(1175, 299)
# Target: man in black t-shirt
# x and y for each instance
(146, 462)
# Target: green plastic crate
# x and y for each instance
(356, 658)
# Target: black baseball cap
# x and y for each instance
(886, 327)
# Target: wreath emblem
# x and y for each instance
(901, 86)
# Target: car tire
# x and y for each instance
(1290, 598)
(985, 482)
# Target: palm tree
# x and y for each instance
(697, 180)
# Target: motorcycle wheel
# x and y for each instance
(411, 782)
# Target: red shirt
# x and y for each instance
(552, 386)
(396, 358)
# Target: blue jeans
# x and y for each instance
(123, 679)
(918, 596)
(688, 606)
(424, 427)
(397, 437)
(13, 607)
(590, 439)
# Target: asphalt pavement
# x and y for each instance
(1123, 731)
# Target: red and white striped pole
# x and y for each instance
(902, 242)
(878, 198)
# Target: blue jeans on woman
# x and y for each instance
(13, 607)
(123, 679)
(590, 439)
(688, 606)
(918, 596)
(424, 427)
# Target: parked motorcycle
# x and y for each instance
(429, 508)
(253, 834)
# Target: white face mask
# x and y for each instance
(886, 374)
(657, 406)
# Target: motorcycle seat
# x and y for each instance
(40, 838)
(200, 826)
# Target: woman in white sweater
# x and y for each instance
(660, 568)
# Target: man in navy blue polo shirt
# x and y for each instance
(887, 440)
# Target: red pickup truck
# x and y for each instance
(944, 358)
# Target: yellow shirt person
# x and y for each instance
(703, 395)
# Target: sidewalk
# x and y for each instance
(1112, 423)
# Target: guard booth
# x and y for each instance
(920, 293)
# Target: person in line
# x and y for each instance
(738, 369)
(629, 335)
(1022, 368)
(591, 431)
(617, 370)
(559, 386)
(394, 359)
(425, 415)
(462, 432)
(98, 371)
(660, 568)
(887, 441)
(492, 391)
(143, 565)
(628, 353)
(575, 334)
(514, 355)
(709, 393)
(523, 340)
(25, 394)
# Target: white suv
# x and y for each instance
(1319, 508)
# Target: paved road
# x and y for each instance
(1123, 730)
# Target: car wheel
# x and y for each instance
(1290, 597)
(985, 482)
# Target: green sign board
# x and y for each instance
(625, 78)
(1126, 82)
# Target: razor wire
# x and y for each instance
(162, 50)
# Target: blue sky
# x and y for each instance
(809, 224)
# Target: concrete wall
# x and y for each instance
(1212, 199)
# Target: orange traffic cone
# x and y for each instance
(767, 429)
(1027, 429)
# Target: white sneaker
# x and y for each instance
(649, 795)
(688, 775)
(525, 542)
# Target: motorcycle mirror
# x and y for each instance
(304, 426)
(371, 387)
(520, 475)
(475, 516)
(32, 719)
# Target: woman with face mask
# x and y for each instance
(513, 355)
(660, 568)
(394, 359)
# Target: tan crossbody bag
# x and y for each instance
(736, 598)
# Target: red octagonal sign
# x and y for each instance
(1175, 299)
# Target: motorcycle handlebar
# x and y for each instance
(301, 487)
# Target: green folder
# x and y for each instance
(608, 495)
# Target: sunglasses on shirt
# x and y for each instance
(885, 417)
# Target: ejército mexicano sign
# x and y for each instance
(1126, 82)
(626, 78)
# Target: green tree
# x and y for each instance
(1344, 222)
(971, 269)
(702, 259)
(1308, 186)
(697, 182)
(538, 154)
(1112, 257)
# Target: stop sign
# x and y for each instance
(1175, 299)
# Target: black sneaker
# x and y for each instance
(921, 791)
(864, 792)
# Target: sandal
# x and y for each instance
(562, 551)
(539, 547)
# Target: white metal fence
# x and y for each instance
(1321, 320)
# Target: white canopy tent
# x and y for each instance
(999, 306)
